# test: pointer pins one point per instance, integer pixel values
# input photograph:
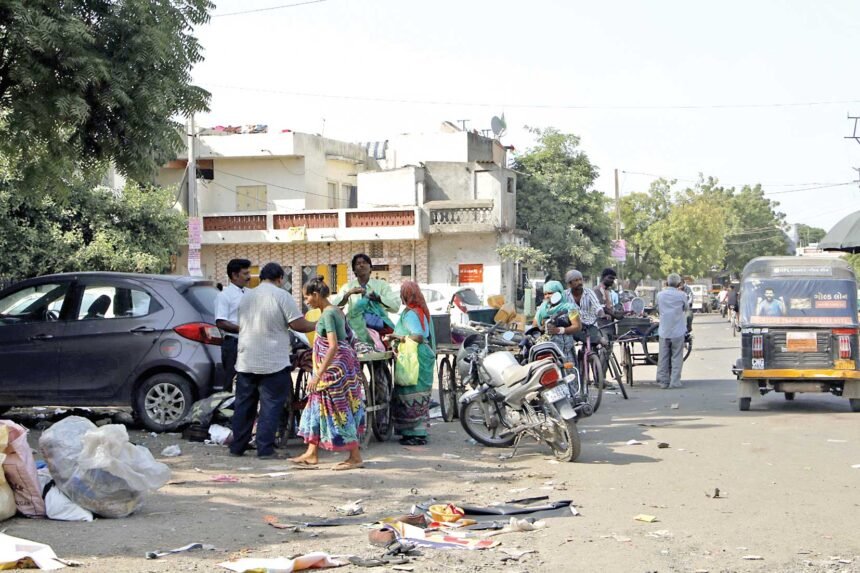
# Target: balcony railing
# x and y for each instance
(462, 216)
(309, 220)
(235, 223)
(380, 219)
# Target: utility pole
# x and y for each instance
(617, 208)
(195, 225)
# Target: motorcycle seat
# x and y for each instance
(516, 374)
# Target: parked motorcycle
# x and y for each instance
(509, 400)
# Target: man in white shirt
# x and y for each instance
(227, 315)
(266, 315)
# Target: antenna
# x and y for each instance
(498, 126)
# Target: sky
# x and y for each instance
(747, 92)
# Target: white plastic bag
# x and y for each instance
(58, 505)
(109, 476)
(220, 435)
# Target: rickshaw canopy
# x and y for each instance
(798, 292)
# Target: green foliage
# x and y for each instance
(530, 256)
(95, 229)
(556, 203)
(807, 235)
(84, 82)
(692, 237)
(756, 228)
(854, 260)
(640, 215)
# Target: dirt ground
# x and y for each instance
(788, 492)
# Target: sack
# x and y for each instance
(406, 367)
(374, 321)
(20, 469)
(98, 468)
(7, 498)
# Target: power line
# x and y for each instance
(281, 7)
(732, 184)
(496, 105)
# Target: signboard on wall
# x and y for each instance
(471, 274)
(297, 234)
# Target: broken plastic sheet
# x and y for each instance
(439, 538)
(561, 508)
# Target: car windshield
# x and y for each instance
(799, 302)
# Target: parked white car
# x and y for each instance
(444, 299)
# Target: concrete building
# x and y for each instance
(311, 203)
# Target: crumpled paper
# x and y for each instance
(19, 553)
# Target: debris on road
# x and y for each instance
(224, 478)
(675, 406)
(351, 508)
(450, 456)
(752, 558)
(662, 445)
(646, 518)
(171, 451)
(660, 534)
(184, 548)
(23, 553)
(317, 560)
(634, 443)
(716, 495)
(512, 554)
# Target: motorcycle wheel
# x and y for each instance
(566, 444)
(472, 416)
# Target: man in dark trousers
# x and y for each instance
(266, 315)
(226, 315)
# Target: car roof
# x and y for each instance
(177, 280)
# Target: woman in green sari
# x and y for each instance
(411, 404)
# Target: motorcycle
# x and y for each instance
(509, 400)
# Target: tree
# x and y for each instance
(692, 237)
(522, 254)
(84, 82)
(756, 228)
(95, 228)
(640, 213)
(556, 203)
(808, 235)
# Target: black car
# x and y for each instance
(110, 339)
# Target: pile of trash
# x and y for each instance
(87, 470)
(209, 419)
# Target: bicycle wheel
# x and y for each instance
(447, 389)
(627, 363)
(651, 337)
(617, 373)
(382, 426)
(292, 414)
(688, 345)
(596, 381)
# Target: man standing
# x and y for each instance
(672, 306)
(266, 315)
(226, 315)
(370, 300)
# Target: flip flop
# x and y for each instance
(343, 466)
(304, 463)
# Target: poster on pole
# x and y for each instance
(619, 250)
(194, 268)
(195, 232)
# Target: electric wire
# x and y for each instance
(268, 9)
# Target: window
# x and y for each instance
(105, 301)
(432, 295)
(351, 195)
(510, 184)
(406, 271)
(375, 250)
(332, 195)
(33, 304)
(251, 198)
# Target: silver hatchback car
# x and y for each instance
(110, 339)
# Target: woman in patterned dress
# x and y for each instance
(411, 404)
(333, 418)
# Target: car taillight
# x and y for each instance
(200, 332)
(550, 378)
(844, 346)
(758, 346)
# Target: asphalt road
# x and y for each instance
(788, 494)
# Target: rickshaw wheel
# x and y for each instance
(789, 395)
(744, 404)
(855, 404)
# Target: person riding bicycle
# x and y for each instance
(732, 298)
(608, 297)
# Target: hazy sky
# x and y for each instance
(672, 88)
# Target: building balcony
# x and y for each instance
(402, 223)
(476, 216)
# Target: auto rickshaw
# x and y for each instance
(799, 328)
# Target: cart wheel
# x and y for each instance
(292, 414)
(744, 404)
(650, 336)
(627, 364)
(789, 395)
(364, 437)
(447, 389)
(855, 404)
(381, 423)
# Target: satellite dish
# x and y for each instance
(498, 125)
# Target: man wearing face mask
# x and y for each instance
(590, 310)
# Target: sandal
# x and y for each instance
(343, 466)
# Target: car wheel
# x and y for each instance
(162, 401)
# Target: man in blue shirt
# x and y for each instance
(672, 305)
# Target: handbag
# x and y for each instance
(406, 366)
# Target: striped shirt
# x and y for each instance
(589, 307)
(265, 314)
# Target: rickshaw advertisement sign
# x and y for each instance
(799, 302)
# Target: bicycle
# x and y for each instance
(733, 319)
(591, 378)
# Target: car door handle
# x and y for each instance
(42, 337)
(142, 330)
